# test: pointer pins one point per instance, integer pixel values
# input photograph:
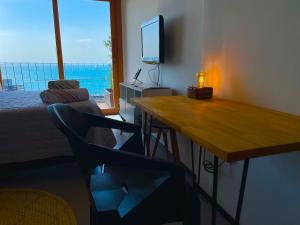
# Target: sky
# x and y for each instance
(27, 31)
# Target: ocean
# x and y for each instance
(35, 76)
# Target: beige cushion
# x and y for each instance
(52, 96)
(64, 84)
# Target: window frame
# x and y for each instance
(117, 49)
(117, 52)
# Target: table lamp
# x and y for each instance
(200, 92)
(200, 79)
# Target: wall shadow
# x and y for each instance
(174, 29)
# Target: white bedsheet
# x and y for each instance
(11, 100)
(27, 132)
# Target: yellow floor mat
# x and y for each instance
(33, 207)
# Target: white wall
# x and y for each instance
(251, 50)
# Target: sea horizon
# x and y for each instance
(96, 77)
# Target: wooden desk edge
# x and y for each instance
(262, 152)
(149, 111)
(226, 156)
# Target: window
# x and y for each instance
(84, 44)
(27, 44)
(86, 40)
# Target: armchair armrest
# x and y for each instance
(108, 156)
(104, 122)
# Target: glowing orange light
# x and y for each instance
(201, 79)
(213, 69)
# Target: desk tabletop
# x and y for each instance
(232, 131)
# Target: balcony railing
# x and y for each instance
(35, 76)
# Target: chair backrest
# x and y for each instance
(75, 126)
(68, 119)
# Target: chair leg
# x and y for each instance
(175, 148)
(149, 136)
(156, 143)
(123, 120)
(191, 211)
(165, 137)
(93, 219)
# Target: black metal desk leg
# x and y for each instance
(145, 129)
(199, 165)
(149, 137)
(242, 192)
(215, 191)
(193, 165)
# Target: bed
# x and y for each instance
(27, 133)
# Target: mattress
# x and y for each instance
(28, 134)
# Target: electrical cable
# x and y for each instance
(208, 165)
(150, 76)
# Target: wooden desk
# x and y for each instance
(231, 131)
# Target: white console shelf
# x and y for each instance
(129, 111)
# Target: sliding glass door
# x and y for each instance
(62, 39)
(86, 46)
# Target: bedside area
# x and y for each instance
(128, 111)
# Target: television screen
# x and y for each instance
(152, 41)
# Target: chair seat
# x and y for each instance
(155, 124)
(120, 191)
(159, 125)
(121, 138)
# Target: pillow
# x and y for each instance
(64, 84)
(53, 96)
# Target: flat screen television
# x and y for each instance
(152, 33)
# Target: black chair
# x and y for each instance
(133, 190)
